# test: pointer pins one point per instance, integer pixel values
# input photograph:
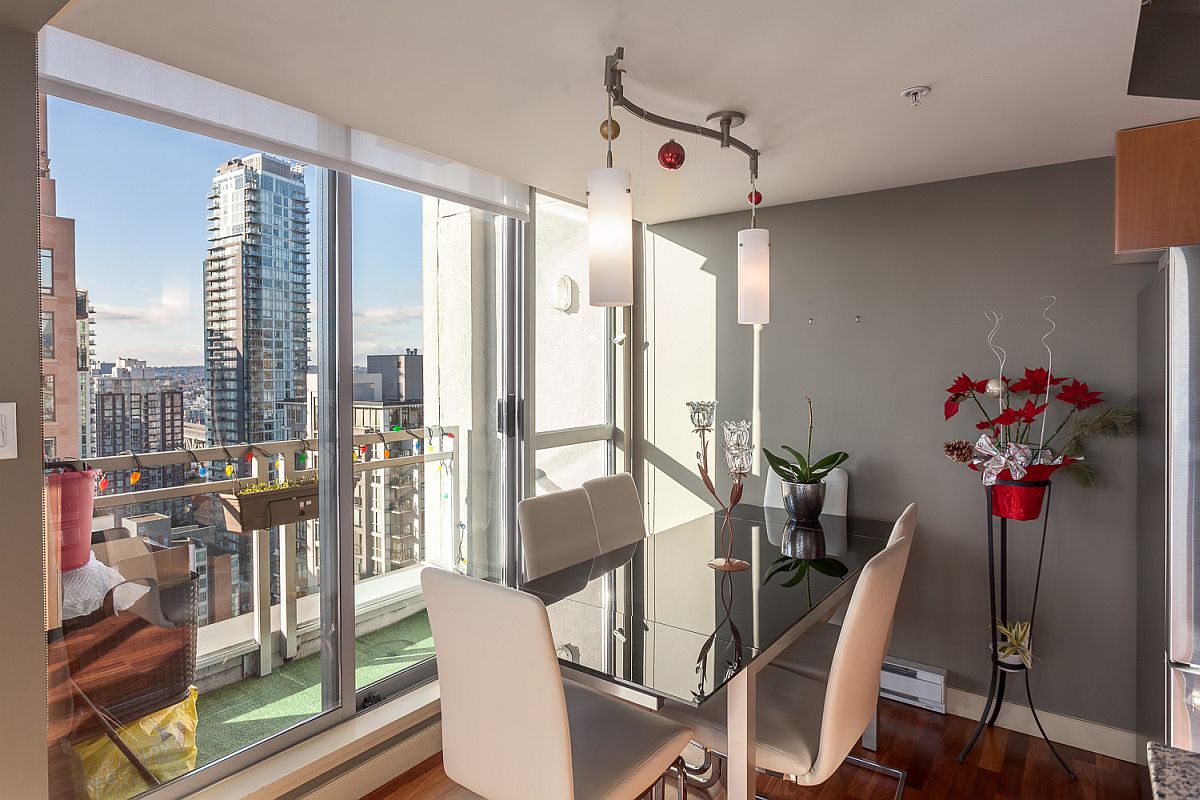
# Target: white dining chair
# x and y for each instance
(837, 492)
(511, 728)
(812, 654)
(806, 729)
(617, 509)
(557, 531)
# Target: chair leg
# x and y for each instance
(681, 777)
(660, 792)
(870, 737)
(900, 775)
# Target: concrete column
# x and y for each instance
(460, 257)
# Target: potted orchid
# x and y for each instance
(803, 480)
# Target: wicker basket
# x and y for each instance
(133, 664)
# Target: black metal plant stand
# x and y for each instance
(1000, 670)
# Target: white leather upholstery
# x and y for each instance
(617, 510)
(812, 653)
(788, 740)
(557, 531)
(511, 730)
(837, 492)
(504, 718)
(618, 749)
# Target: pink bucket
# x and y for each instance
(70, 499)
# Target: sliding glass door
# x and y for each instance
(272, 393)
(429, 482)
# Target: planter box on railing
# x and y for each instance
(258, 511)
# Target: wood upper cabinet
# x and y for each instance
(1158, 186)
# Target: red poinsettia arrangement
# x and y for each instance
(1012, 423)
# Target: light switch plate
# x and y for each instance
(8, 430)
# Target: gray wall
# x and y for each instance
(22, 624)
(920, 265)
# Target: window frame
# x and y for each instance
(332, 291)
(46, 270)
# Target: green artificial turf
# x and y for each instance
(253, 709)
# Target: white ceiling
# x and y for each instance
(516, 87)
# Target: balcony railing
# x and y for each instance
(295, 617)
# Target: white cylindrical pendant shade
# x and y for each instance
(754, 276)
(610, 238)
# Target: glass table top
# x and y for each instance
(655, 617)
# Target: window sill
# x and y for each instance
(322, 754)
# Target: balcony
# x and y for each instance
(258, 670)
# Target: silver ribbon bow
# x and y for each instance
(1014, 458)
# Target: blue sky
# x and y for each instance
(137, 193)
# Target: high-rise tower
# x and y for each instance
(255, 299)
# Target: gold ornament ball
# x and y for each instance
(610, 125)
(996, 388)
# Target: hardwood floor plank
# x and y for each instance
(1004, 765)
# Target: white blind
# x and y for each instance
(87, 71)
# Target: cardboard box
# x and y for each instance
(138, 557)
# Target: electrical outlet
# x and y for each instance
(8, 430)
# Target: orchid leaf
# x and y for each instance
(801, 571)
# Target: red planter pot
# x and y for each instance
(1021, 503)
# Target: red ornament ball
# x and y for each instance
(754, 198)
(671, 155)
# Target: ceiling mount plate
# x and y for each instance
(916, 94)
(735, 118)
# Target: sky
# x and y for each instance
(137, 192)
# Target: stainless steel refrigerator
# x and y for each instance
(1169, 500)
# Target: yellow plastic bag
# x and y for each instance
(164, 741)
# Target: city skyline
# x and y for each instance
(150, 306)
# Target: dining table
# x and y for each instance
(652, 622)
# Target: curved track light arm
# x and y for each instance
(616, 91)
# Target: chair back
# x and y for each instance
(906, 524)
(617, 510)
(557, 531)
(505, 731)
(837, 492)
(853, 689)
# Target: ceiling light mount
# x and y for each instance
(916, 94)
(726, 119)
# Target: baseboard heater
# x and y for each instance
(916, 684)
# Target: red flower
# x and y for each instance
(963, 386)
(1029, 412)
(951, 408)
(1077, 394)
(1036, 381)
(1007, 417)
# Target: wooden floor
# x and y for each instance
(1003, 766)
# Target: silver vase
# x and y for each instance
(803, 500)
(803, 540)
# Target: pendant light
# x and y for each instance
(754, 267)
(610, 229)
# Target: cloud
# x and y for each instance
(386, 329)
(171, 308)
(386, 315)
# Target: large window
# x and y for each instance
(172, 605)
(186, 378)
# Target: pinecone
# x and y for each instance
(959, 450)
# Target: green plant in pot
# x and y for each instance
(1014, 646)
(803, 480)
